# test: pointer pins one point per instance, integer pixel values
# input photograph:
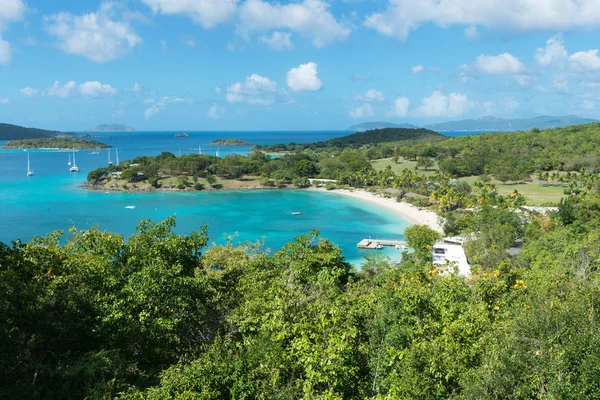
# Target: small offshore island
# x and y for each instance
(230, 142)
(55, 143)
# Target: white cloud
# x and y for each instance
(553, 52)
(215, 111)
(502, 64)
(400, 108)
(588, 104)
(371, 95)
(4, 101)
(363, 111)
(585, 60)
(254, 86)
(135, 89)
(165, 102)
(304, 78)
(278, 40)
(28, 92)
(417, 68)
(505, 106)
(148, 101)
(207, 13)
(67, 90)
(594, 85)
(471, 32)
(359, 77)
(96, 89)
(6, 53)
(440, 105)
(10, 10)
(561, 84)
(92, 89)
(309, 18)
(163, 44)
(403, 16)
(189, 42)
(96, 36)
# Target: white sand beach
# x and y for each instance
(407, 211)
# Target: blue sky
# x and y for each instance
(294, 65)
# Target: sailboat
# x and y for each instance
(218, 155)
(117, 151)
(74, 168)
(199, 150)
(95, 152)
(29, 170)
(69, 163)
(109, 162)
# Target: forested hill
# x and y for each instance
(372, 137)
(383, 136)
(15, 132)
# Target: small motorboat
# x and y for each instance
(297, 213)
(379, 246)
(130, 207)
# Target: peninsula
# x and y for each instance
(229, 142)
(111, 128)
(54, 143)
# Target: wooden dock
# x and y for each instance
(371, 244)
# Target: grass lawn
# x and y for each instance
(536, 195)
(403, 164)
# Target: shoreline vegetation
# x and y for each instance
(55, 143)
(230, 142)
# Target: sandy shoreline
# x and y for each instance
(407, 211)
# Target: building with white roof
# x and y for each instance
(450, 256)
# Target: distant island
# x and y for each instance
(54, 143)
(108, 128)
(229, 142)
(485, 124)
(184, 134)
(368, 126)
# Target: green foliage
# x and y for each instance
(54, 143)
(421, 238)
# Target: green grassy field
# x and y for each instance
(536, 195)
(403, 164)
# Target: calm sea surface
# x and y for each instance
(51, 199)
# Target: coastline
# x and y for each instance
(407, 211)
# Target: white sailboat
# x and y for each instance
(74, 168)
(218, 154)
(117, 151)
(69, 163)
(109, 161)
(199, 150)
(29, 170)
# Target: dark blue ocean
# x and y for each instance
(52, 199)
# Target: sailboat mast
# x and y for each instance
(117, 151)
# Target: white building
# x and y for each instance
(449, 256)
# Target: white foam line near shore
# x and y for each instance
(407, 211)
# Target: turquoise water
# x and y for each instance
(51, 200)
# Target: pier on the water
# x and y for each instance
(371, 244)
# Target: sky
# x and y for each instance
(294, 65)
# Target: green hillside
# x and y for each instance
(15, 132)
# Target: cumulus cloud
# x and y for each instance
(4, 100)
(252, 91)
(278, 40)
(97, 36)
(207, 13)
(502, 64)
(417, 68)
(440, 105)
(553, 52)
(585, 60)
(28, 92)
(10, 10)
(403, 16)
(309, 18)
(588, 104)
(364, 111)
(215, 111)
(304, 78)
(93, 89)
(189, 42)
(400, 108)
(371, 95)
(160, 105)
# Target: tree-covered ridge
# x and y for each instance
(229, 142)
(166, 316)
(15, 132)
(54, 143)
